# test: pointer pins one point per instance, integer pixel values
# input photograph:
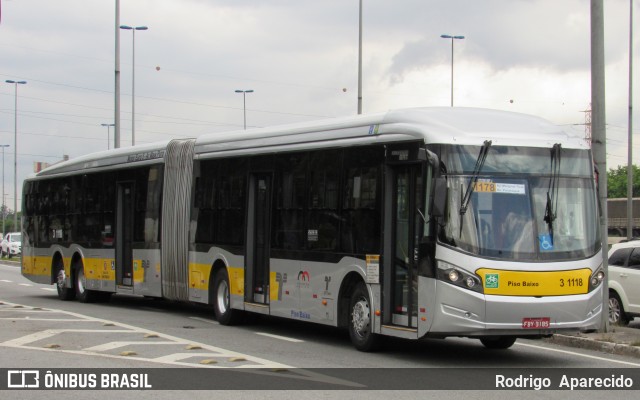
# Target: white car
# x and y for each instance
(624, 282)
(12, 244)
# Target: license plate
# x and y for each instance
(536, 323)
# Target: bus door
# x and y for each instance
(124, 234)
(258, 238)
(400, 258)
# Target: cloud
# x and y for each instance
(297, 56)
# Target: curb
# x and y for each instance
(597, 345)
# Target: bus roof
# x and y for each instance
(470, 126)
(453, 125)
(140, 154)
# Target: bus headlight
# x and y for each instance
(596, 279)
(456, 276)
(470, 282)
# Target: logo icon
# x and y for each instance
(304, 279)
(491, 281)
(23, 379)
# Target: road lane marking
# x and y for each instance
(288, 339)
(578, 354)
(47, 333)
(49, 289)
(116, 345)
(175, 357)
(23, 342)
(250, 364)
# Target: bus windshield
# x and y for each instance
(518, 209)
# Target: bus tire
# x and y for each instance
(360, 321)
(498, 342)
(64, 292)
(83, 294)
(225, 315)
(617, 316)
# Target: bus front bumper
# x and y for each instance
(461, 312)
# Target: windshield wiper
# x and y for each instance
(552, 192)
(464, 204)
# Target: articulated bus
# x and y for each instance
(415, 223)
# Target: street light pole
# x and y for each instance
(630, 132)
(3, 205)
(15, 152)
(360, 60)
(108, 133)
(133, 80)
(116, 119)
(244, 101)
(452, 39)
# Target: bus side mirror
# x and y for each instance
(439, 197)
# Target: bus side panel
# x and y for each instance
(36, 267)
(98, 270)
(285, 300)
(146, 273)
(200, 269)
(427, 304)
(308, 290)
(199, 275)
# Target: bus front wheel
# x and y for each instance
(360, 320)
(225, 315)
(498, 342)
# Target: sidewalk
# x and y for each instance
(622, 340)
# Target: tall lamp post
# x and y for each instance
(452, 37)
(108, 133)
(244, 101)
(360, 59)
(3, 205)
(133, 79)
(630, 131)
(15, 152)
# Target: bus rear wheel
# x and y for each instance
(360, 321)
(498, 342)
(225, 315)
(83, 294)
(64, 292)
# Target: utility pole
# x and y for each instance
(630, 134)
(599, 137)
(360, 60)
(116, 131)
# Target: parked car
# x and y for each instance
(12, 244)
(624, 282)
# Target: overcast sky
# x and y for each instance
(300, 58)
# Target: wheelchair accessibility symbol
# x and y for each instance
(546, 243)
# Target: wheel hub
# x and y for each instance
(361, 317)
(614, 310)
(223, 297)
(61, 279)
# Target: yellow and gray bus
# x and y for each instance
(414, 223)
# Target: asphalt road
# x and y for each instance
(38, 331)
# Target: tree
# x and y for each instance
(617, 182)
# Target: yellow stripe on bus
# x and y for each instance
(34, 265)
(236, 280)
(535, 283)
(199, 276)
